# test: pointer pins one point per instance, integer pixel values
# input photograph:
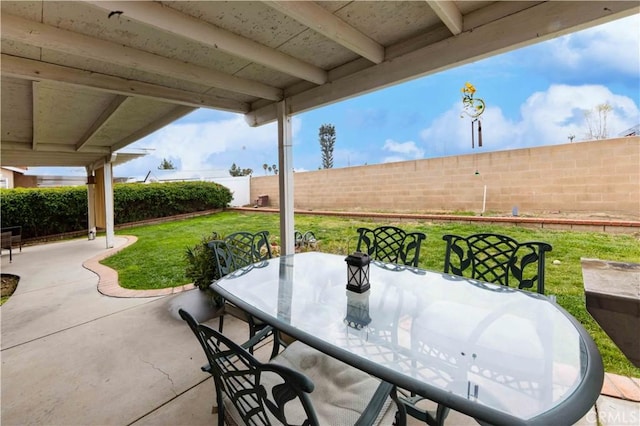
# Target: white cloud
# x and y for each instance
(209, 145)
(196, 143)
(548, 117)
(402, 151)
(450, 134)
(552, 115)
(612, 46)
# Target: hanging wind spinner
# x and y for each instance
(473, 107)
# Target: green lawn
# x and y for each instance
(157, 259)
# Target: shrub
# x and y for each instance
(137, 201)
(45, 211)
(50, 211)
(201, 266)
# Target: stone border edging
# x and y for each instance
(541, 222)
(621, 387)
(108, 284)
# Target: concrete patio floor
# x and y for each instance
(74, 356)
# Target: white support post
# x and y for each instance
(484, 199)
(91, 202)
(285, 179)
(108, 203)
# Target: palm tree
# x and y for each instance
(265, 167)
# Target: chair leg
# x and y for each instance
(422, 414)
(441, 414)
(401, 414)
(220, 408)
(252, 332)
(276, 344)
(220, 322)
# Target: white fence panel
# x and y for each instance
(240, 188)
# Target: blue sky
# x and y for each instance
(534, 96)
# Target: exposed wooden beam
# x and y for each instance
(324, 22)
(35, 111)
(100, 121)
(48, 37)
(172, 21)
(68, 155)
(29, 69)
(51, 147)
(49, 159)
(448, 13)
(508, 33)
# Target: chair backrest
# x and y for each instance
(391, 244)
(260, 394)
(248, 248)
(223, 258)
(306, 240)
(5, 240)
(497, 259)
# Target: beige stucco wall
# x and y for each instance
(7, 175)
(584, 177)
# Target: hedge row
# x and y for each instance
(50, 211)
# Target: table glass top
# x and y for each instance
(510, 350)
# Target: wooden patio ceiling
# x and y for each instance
(83, 79)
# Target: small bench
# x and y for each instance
(5, 243)
(16, 236)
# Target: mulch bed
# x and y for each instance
(9, 284)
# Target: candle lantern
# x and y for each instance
(357, 310)
(358, 272)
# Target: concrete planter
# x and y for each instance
(613, 299)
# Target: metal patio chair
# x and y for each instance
(298, 386)
(5, 243)
(239, 250)
(16, 235)
(492, 258)
(305, 241)
(391, 244)
(248, 248)
(223, 264)
(497, 259)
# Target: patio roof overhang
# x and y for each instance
(81, 80)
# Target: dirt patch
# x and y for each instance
(9, 284)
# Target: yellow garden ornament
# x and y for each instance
(473, 107)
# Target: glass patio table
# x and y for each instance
(501, 355)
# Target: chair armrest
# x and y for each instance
(15, 230)
(377, 403)
(258, 337)
(292, 377)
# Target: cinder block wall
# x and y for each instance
(582, 177)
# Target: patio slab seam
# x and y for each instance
(108, 283)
